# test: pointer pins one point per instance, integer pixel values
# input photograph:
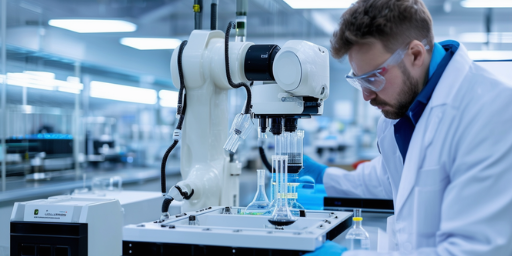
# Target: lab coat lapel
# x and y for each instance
(427, 125)
(412, 162)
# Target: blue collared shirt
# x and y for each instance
(404, 128)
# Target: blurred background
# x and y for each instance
(84, 100)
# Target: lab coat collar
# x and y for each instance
(452, 77)
(444, 92)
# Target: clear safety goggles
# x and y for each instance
(374, 80)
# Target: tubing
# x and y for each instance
(248, 103)
(181, 111)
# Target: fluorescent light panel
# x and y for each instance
(168, 98)
(320, 4)
(490, 55)
(93, 26)
(486, 3)
(141, 43)
(122, 93)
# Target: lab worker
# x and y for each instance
(445, 138)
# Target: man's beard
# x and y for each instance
(406, 96)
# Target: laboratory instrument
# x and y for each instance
(358, 237)
(67, 225)
(232, 234)
(39, 156)
(281, 215)
(292, 83)
(260, 204)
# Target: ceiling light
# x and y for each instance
(150, 43)
(93, 26)
(122, 93)
(486, 4)
(168, 98)
(490, 55)
(320, 4)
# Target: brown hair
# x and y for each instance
(392, 22)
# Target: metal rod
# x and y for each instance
(3, 28)
(488, 26)
(214, 14)
(76, 124)
(198, 14)
(241, 20)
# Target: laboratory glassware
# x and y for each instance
(260, 203)
(281, 215)
(358, 237)
(293, 148)
(292, 196)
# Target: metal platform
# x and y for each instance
(232, 234)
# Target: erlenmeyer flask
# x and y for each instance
(260, 203)
(281, 215)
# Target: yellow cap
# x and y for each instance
(357, 218)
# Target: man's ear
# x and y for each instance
(418, 53)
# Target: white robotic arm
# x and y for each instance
(296, 82)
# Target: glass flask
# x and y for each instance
(358, 237)
(260, 203)
(281, 215)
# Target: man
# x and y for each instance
(445, 140)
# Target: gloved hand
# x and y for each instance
(313, 169)
(329, 248)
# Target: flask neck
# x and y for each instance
(260, 193)
(358, 224)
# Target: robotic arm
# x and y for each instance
(293, 83)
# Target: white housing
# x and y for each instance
(302, 68)
(204, 166)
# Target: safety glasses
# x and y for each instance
(374, 80)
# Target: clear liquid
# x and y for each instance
(257, 208)
(360, 244)
(359, 239)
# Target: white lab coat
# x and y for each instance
(453, 194)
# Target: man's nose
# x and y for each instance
(368, 94)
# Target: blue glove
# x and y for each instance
(329, 248)
(313, 170)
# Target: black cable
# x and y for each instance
(264, 159)
(181, 108)
(180, 73)
(247, 109)
(185, 195)
(162, 167)
(165, 205)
